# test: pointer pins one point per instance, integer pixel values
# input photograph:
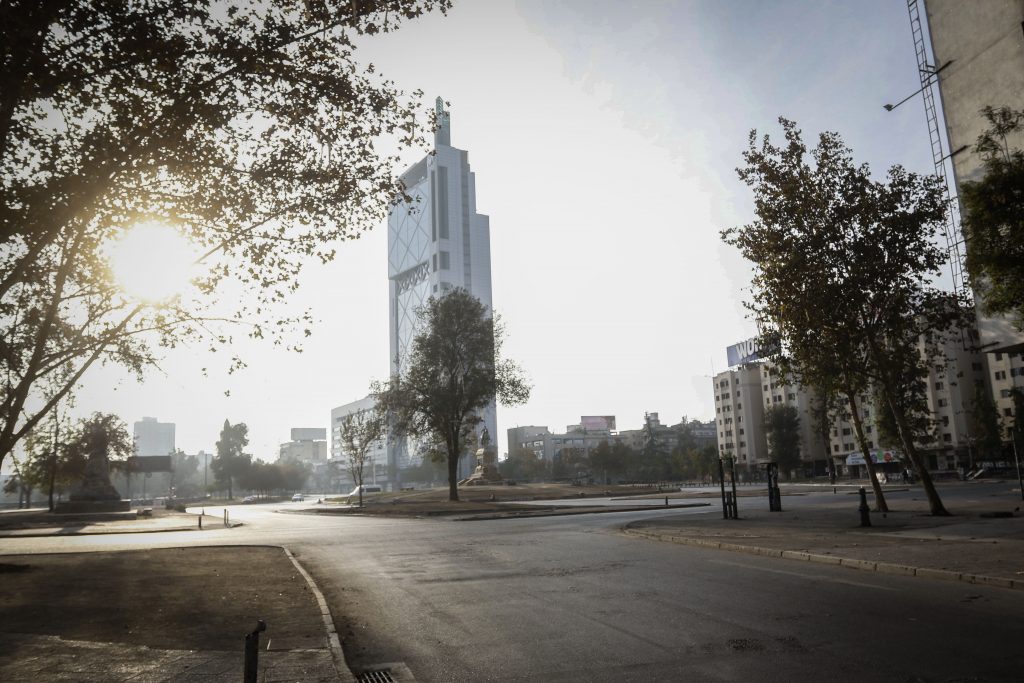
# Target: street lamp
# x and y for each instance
(928, 83)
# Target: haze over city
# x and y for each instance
(604, 142)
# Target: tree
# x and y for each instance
(782, 427)
(993, 222)
(984, 424)
(523, 463)
(360, 433)
(51, 465)
(250, 129)
(453, 371)
(230, 462)
(841, 265)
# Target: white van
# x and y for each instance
(367, 490)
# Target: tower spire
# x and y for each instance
(443, 134)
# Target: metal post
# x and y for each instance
(1016, 458)
(865, 516)
(735, 498)
(252, 652)
(226, 523)
(721, 481)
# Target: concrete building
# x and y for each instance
(308, 445)
(376, 470)
(739, 414)
(981, 47)
(436, 242)
(528, 437)
(153, 437)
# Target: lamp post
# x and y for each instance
(928, 83)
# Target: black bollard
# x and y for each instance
(865, 518)
(252, 652)
(666, 501)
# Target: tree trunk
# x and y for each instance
(880, 504)
(934, 501)
(53, 479)
(453, 468)
(906, 438)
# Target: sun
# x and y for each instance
(153, 262)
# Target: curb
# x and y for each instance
(567, 511)
(13, 533)
(850, 563)
(337, 654)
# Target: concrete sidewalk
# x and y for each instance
(41, 523)
(175, 614)
(966, 546)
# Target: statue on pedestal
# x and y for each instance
(486, 471)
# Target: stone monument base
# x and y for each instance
(484, 475)
(75, 507)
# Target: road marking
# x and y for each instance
(804, 575)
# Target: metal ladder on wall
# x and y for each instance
(927, 70)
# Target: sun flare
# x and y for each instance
(153, 262)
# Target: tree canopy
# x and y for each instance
(249, 129)
(842, 264)
(454, 371)
(994, 217)
(360, 432)
(231, 462)
(782, 427)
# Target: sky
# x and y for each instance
(604, 137)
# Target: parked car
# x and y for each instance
(298, 498)
(249, 499)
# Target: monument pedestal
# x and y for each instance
(486, 472)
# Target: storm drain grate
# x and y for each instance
(376, 676)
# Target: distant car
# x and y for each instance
(249, 499)
(298, 498)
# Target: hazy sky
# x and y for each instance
(604, 137)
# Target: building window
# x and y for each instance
(835, 448)
(948, 438)
(741, 432)
(945, 420)
(739, 406)
(446, 260)
(435, 262)
(1008, 412)
(871, 444)
(846, 431)
(791, 397)
(766, 387)
(943, 403)
(1004, 393)
(976, 367)
(938, 385)
(999, 356)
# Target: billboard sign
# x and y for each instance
(149, 463)
(877, 457)
(744, 352)
(597, 423)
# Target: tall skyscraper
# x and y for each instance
(436, 242)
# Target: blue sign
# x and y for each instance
(744, 352)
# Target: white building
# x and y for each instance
(308, 445)
(436, 242)
(153, 437)
(739, 415)
(376, 469)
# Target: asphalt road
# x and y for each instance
(570, 598)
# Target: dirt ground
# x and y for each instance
(178, 598)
